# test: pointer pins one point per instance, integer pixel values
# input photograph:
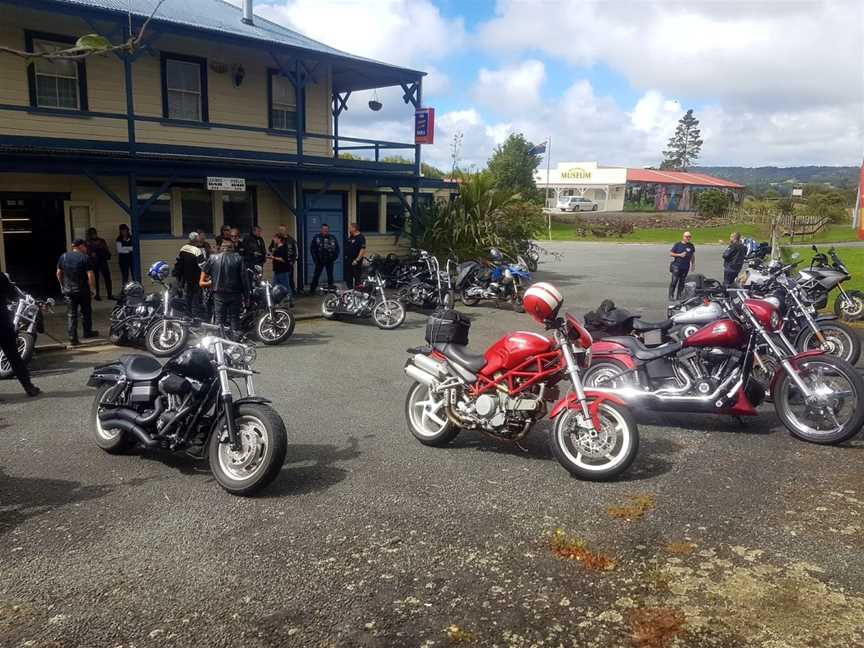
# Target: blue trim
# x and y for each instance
(29, 37)
(164, 57)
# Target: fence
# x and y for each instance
(791, 225)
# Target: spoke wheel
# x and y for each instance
(840, 342)
(427, 420)
(24, 343)
(850, 308)
(166, 338)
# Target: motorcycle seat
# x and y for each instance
(140, 367)
(640, 351)
(639, 325)
(459, 353)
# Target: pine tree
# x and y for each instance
(684, 146)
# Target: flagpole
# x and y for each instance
(548, 162)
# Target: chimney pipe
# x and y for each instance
(247, 12)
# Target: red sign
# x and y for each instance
(424, 126)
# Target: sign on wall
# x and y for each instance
(576, 173)
(226, 184)
(424, 126)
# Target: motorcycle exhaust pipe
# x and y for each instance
(130, 427)
(420, 376)
(132, 416)
(429, 365)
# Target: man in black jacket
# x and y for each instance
(254, 250)
(733, 258)
(187, 270)
(225, 273)
(8, 336)
(355, 252)
(75, 275)
(325, 250)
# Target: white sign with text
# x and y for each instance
(226, 184)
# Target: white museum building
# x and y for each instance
(603, 185)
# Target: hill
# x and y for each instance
(838, 176)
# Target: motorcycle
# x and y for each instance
(366, 300)
(819, 398)
(28, 322)
(425, 285)
(187, 405)
(501, 281)
(508, 389)
(821, 278)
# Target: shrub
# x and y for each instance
(712, 203)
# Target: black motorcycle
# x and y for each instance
(28, 322)
(423, 284)
(158, 321)
(368, 299)
(188, 405)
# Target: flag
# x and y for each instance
(540, 149)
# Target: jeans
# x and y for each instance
(9, 346)
(285, 279)
(729, 277)
(319, 266)
(125, 266)
(101, 268)
(193, 299)
(352, 273)
(75, 301)
(227, 307)
(676, 286)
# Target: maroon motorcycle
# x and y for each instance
(819, 398)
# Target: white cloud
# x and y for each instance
(513, 88)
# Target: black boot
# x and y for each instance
(30, 389)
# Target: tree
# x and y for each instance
(713, 202)
(684, 146)
(512, 167)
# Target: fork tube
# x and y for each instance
(227, 397)
(810, 322)
(573, 372)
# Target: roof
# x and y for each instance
(679, 177)
(222, 17)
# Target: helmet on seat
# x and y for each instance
(542, 301)
(159, 271)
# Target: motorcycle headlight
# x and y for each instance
(236, 355)
(250, 355)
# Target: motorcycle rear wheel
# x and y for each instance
(264, 446)
(426, 419)
(388, 314)
(175, 337)
(852, 308)
(277, 329)
(468, 301)
(26, 342)
(842, 410)
(581, 452)
(111, 441)
(329, 306)
(842, 341)
(605, 374)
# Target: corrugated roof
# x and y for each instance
(223, 17)
(679, 177)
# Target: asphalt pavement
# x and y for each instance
(722, 534)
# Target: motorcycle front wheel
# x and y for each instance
(329, 306)
(388, 314)
(277, 328)
(835, 410)
(165, 338)
(468, 301)
(25, 345)
(851, 307)
(840, 341)
(593, 455)
(264, 444)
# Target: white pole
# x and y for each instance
(548, 162)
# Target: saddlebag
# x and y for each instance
(608, 321)
(447, 326)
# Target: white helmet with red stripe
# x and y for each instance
(542, 301)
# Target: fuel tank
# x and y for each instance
(700, 315)
(513, 349)
(722, 333)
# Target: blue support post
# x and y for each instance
(419, 104)
(135, 225)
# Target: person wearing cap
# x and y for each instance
(77, 283)
(187, 271)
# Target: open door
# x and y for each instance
(79, 216)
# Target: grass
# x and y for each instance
(704, 236)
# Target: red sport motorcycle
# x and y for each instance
(819, 398)
(505, 391)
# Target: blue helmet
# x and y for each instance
(159, 271)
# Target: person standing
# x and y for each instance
(733, 259)
(205, 245)
(355, 251)
(187, 271)
(124, 252)
(224, 234)
(325, 251)
(284, 254)
(683, 255)
(77, 283)
(9, 336)
(225, 274)
(99, 254)
(254, 250)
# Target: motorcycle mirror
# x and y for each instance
(814, 248)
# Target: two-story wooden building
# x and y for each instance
(213, 92)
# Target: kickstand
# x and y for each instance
(519, 445)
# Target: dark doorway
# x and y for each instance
(34, 237)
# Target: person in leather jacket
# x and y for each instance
(733, 259)
(254, 250)
(225, 274)
(187, 271)
(325, 251)
(8, 336)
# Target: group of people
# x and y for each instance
(683, 255)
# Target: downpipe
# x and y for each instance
(130, 427)
(132, 416)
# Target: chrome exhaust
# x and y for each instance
(430, 365)
(631, 393)
(420, 376)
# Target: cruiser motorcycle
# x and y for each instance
(28, 321)
(425, 285)
(188, 406)
(508, 389)
(367, 300)
(156, 320)
(819, 398)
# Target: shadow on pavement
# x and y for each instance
(300, 480)
(765, 423)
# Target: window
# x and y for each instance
(367, 211)
(55, 84)
(156, 221)
(197, 207)
(239, 209)
(184, 88)
(283, 104)
(395, 214)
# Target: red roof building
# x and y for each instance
(679, 178)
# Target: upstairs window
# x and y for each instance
(55, 83)
(283, 102)
(184, 88)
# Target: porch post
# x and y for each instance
(300, 95)
(135, 224)
(300, 220)
(419, 104)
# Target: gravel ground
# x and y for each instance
(720, 535)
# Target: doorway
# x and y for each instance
(324, 209)
(34, 237)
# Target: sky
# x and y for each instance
(773, 82)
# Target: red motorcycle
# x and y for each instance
(819, 398)
(505, 391)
